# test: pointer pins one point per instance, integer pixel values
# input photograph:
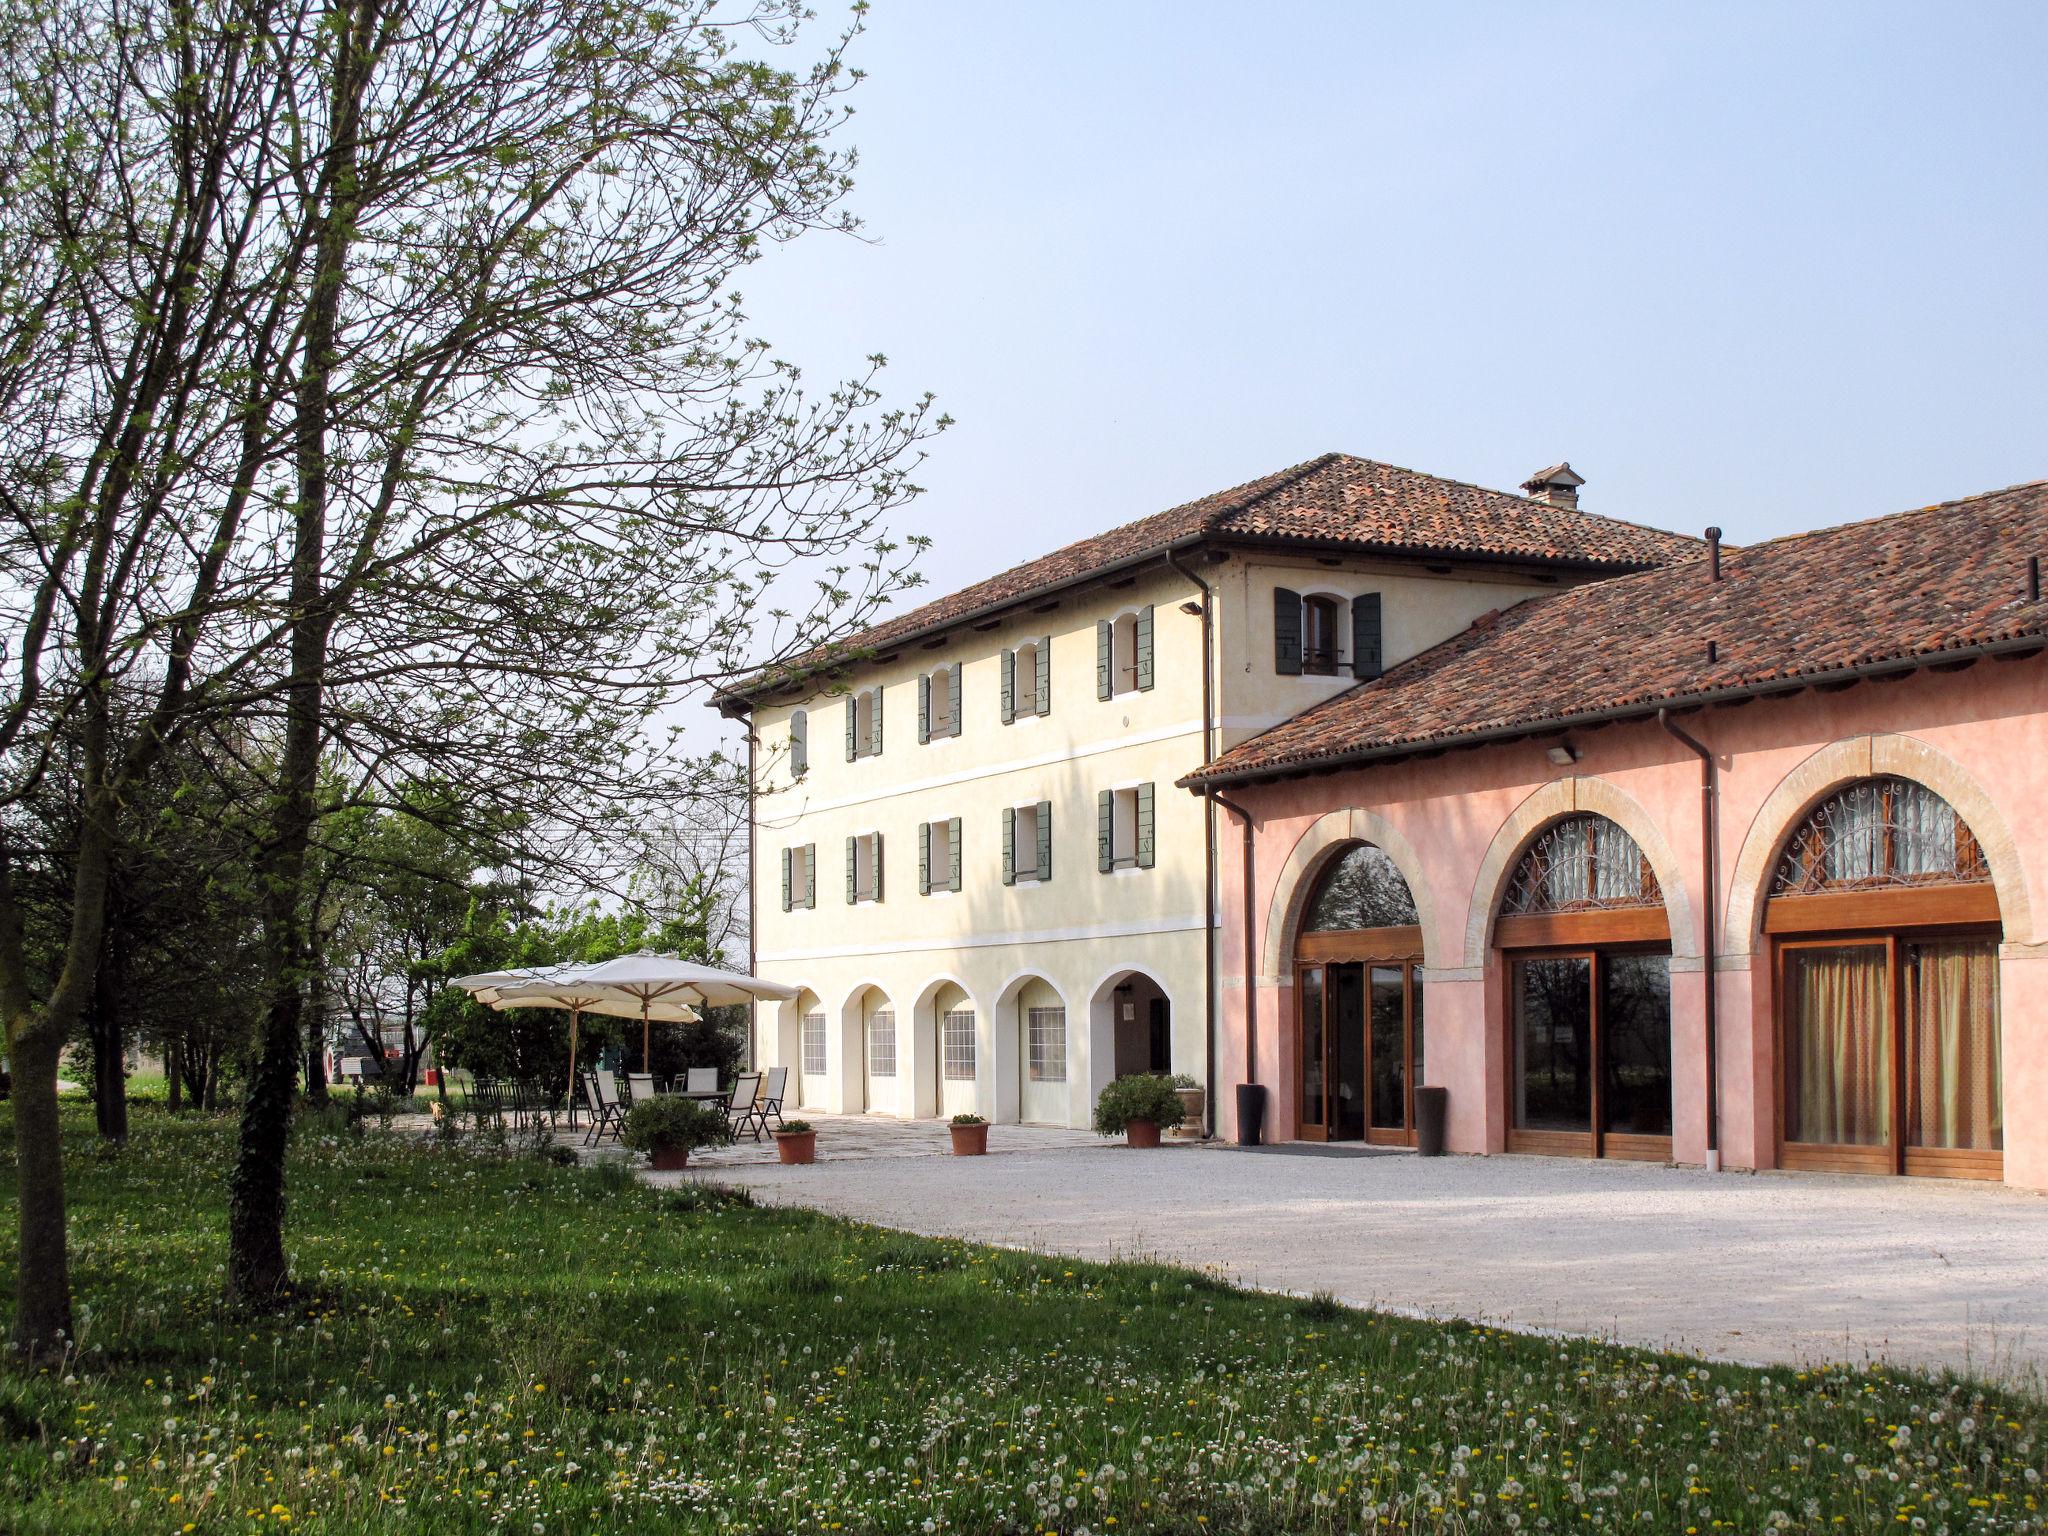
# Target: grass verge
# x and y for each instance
(488, 1342)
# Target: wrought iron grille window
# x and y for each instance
(814, 1045)
(1362, 890)
(882, 1043)
(956, 1046)
(1580, 864)
(1881, 832)
(1048, 1044)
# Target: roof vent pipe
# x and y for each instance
(2033, 578)
(1713, 554)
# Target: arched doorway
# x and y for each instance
(1885, 929)
(1357, 959)
(1042, 1092)
(1587, 944)
(876, 1039)
(956, 1053)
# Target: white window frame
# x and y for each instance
(937, 687)
(1024, 665)
(1039, 1027)
(882, 1030)
(864, 723)
(952, 1023)
(810, 1036)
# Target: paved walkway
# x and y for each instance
(1767, 1268)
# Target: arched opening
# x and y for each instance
(1043, 1057)
(875, 1041)
(1587, 944)
(812, 1084)
(1359, 1002)
(1129, 1028)
(1885, 929)
(955, 1051)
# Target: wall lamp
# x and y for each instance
(1564, 754)
(1192, 609)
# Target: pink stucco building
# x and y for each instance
(1740, 862)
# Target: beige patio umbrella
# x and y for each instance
(567, 987)
(652, 981)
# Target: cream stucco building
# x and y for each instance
(969, 850)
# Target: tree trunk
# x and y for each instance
(109, 1053)
(174, 1075)
(42, 1305)
(316, 1023)
(257, 1270)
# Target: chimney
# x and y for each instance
(1557, 485)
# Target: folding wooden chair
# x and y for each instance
(743, 1109)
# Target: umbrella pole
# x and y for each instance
(575, 1017)
(646, 1060)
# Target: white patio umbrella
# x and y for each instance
(652, 980)
(564, 986)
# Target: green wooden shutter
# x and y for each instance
(1009, 845)
(1103, 680)
(877, 861)
(1105, 831)
(953, 837)
(875, 736)
(850, 744)
(1145, 646)
(1043, 702)
(953, 696)
(1009, 686)
(810, 875)
(1045, 839)
(799, 743)
(1145, 826)
(852, 872)
(924, 858)
(1366, 650)
(787, 855)
(1286, 632)
(924, 709)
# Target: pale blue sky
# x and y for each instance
(1768, 266)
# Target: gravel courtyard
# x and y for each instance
(1763, 1268)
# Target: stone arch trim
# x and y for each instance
(1863, 757)
(1553, 802)
(1304, 866)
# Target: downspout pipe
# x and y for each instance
(1709, 820)
(753, 911)
(1208, 846)
(1251, 967)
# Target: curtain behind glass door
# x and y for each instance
(1952, 1027)
(1838, 1054)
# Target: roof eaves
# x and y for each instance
(1790, 682)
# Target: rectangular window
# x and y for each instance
(814, 1045)
(1124, 832)
(938, 862)
(956, 1046)
(1027, 843)
(1123, 654)
(1319, 655)
(799, 877)
(882, 1043)
(864, 867)
(1048, 1044)
(1027, 680)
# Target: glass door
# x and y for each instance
(1553, 1054)
(1361, 1051)
(1837, 1061)
(1347, 1070)
(1592, 1055)
(1314, 1056)
(1955, 1106)
(1390, 1051)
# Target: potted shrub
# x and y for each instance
(669, 1127)
(1138, 1108)
(1192, 1102)
(970, 1135)
(797, 1142)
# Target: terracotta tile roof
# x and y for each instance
(1334, 499)
(1894, 590)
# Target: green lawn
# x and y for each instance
(488, 1342)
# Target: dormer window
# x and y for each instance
(938, 703)
(1311, 637)
(1319, 645)
(864, 724)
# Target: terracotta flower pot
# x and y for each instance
(1142, 1133)
(969, 1140)
(1192, 1103)
(669, 1159)
(797, 1146)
